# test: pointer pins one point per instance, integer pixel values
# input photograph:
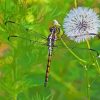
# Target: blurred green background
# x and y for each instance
(23, 64)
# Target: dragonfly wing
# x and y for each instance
(33, 41)
(28, 30)
(69, 42)
(75, 46)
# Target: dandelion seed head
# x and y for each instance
(80, 23)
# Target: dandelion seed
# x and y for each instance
(81, 23)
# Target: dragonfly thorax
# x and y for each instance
(54, 29)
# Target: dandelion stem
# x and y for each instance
(75, 2)
(96, 65)
(94, 59)
(72, 52)
(88, 44)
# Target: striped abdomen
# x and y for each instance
(47, 70)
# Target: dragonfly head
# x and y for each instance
(56, 23)
(55, 28)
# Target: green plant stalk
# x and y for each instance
(95, 60)
(77, 57)
(96, 65)
(87, 82)
(75, 3)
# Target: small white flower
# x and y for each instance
(81, 23)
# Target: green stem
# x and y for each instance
(78, 58)
(94, 59)
(97, 66)
(75, 2)
(87, 82)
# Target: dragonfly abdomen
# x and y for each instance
(47, 70)
(50, 48)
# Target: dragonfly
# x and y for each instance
(55, 33)
(53, 36)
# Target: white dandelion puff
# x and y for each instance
(81, 23)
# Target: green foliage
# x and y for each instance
(23, 63)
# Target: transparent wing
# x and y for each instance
(33, 40)
(78, 36)
(24, 33)
(79, 47)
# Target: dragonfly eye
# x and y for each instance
(52, 29)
